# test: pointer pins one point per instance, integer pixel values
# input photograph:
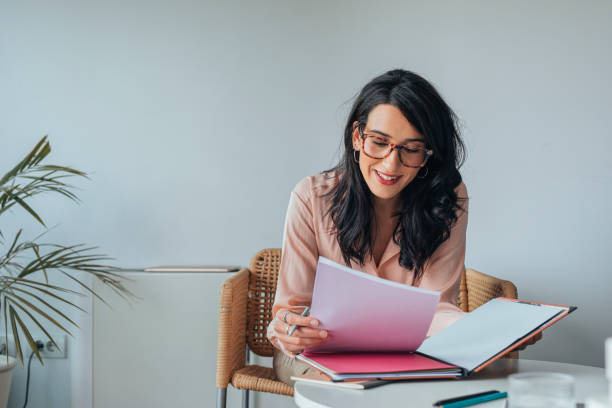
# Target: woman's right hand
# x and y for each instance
(306, 335)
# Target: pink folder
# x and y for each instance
(363, 312)
(353, 363)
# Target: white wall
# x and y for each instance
(196, 119)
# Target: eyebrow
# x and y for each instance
(389, 136)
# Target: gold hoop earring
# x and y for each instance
(424, 175)
(355, 156)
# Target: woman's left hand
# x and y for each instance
(531, 341)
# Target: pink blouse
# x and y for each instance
(309, 233)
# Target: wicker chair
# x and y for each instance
(246, 310)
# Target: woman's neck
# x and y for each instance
(385, 208)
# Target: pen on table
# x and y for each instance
(304, 313)
(463, 397)
(476, 400)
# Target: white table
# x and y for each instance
(423, 393)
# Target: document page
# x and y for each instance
(486, 331)
(363, 312)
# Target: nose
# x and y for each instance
(392, 161)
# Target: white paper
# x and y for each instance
(363, 312)
(486, 331)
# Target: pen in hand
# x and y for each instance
(294, 328)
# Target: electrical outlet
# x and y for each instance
(48, 351)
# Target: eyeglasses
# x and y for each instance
(377, 147)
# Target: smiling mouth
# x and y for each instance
(385, 176)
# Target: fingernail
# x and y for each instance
(323, 333)
(314, 323)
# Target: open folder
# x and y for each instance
(377, 329)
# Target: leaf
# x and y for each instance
(42, 153)
(48, 258)
(58, 288)
(50, 167)
(15, 241)
(75, 257)
(16, 335)
(4, 311)
(26, 162)
(118, 288)
(26, 207)
(86, 287)
(36, 309)
(49, 181)
(31, 341)
(37, 323)
(35, 249)
(48, 293)
(64, 192)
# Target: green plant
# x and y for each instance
(21, 293)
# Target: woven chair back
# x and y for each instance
(262, 288)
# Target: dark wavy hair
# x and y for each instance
(429, 203)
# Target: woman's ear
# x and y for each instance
(356, 137)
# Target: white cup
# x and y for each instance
(550, 390)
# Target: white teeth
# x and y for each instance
(385, 177)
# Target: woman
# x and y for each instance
(395, 207)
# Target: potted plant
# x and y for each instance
(27, 266)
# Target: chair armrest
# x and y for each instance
(231, 342)
(482, 287)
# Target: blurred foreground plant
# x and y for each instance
(20, 292)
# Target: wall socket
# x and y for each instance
(48, 351)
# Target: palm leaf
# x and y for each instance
(31, 316)
(12, 192)
(4, 301)
(15, 241)
(25, 206)
(48, 293)
(74, 257)
(35, 249)
(42, 313)
(17, 281)
(15, 335)
(31, 159)
(50, 167)
(86, 287)
(28, 336)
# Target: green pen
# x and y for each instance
(477, 400)
(294, 328)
